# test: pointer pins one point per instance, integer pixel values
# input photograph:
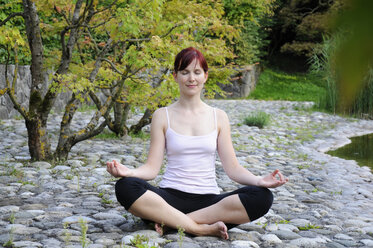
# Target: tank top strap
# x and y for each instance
(168, 119)
(216, 121)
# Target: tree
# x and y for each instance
(297, 31)
(122, 48)
(252, 19)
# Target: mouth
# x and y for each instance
(191, 86)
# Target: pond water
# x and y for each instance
(360, 149)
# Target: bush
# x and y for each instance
(258, 119)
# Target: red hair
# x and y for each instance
(186, 56)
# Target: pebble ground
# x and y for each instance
(328, 201)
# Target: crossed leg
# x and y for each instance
(206, 221)
(229, 210)
(153, 207)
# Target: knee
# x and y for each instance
(257, 202)
(122, 184)
(267, 199)
(128, 189)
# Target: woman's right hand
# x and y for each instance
(116, 169)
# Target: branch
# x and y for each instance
(148, 39)
(10, 17)
(70, 110)
(89, 132)
(104, 9)
(98, 25)
(169, 31)
(10, 88)
(113, 66)
(62, 14)
(109, 103)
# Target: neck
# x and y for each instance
(192, 103)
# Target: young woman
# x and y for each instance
(190, 131)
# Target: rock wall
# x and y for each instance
(22, 90)
(243, 82)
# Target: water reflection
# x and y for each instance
(360, 149)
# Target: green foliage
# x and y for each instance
(12, 218)
(66, 233)
(336, 99)
(297, 30)
(107, 135)
(308, 227)
(110, 46)
(353, 58)
(251, 18)
(259, 119)
(141, 241)
(181, 233)
(277, 85)
(83, 228)
(140, 135)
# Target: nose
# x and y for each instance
(191, 77)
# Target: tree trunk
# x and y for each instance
(38, 141)
(145, 120)
(121, 111)
(36, 118)
(63, 149)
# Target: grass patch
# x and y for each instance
(85, 107)
(309, 227)
(277, 85)
(141, 135)
(259, 119)
(107, 134)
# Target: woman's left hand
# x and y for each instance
(271, 181)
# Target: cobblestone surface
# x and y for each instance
(327, 203)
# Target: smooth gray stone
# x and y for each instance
(183, 244)
(334, 245)
(286, 235)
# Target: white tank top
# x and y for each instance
(191, 161)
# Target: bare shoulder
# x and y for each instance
(222, 118)
(159, 119)
(221, 115)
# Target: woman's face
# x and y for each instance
(191, 79)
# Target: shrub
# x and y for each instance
(258, 119)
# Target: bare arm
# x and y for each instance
(150, 169)
(234, 170)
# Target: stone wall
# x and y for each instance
(242, 84)
(23, 91)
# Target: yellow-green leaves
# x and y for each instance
(11, 37)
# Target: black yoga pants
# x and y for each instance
(256, 200)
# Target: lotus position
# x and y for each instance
(188, 197)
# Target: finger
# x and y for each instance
(274, 173)
(115, 163)
(282, 178)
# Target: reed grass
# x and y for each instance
(323, 64)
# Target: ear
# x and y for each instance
(206, 76)
(175, 75)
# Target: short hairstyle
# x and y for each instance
(186, 56)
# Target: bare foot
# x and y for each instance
(158, 228)
(219, 229)
(161, 229)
